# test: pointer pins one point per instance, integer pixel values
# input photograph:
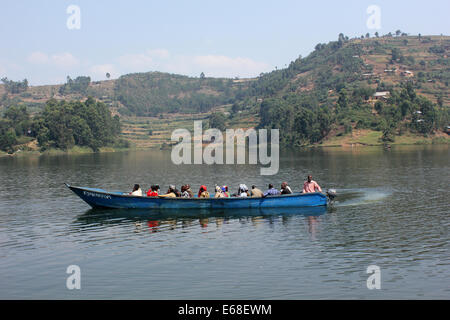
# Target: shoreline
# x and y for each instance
(85, 150)
(56, 152)
(434, 141)
(365, 138)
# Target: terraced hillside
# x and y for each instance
(150, 132)
(390, 85)
(350, 91)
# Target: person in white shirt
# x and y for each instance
(243, 191)
(136, 191)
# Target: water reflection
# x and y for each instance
(162, 220)
(312, 223)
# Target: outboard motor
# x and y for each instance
(331, 193)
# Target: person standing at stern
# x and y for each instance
(311, 186)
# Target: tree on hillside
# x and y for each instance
(19, 117)
(341, 39)
(16, 114)
(65, 124)
(202, 75)
(235, 108)
(388, 133)
(397, 33)
(429, 116)
(343, 99)
(319, 46)
(15, 86)
(440, 100)
(397, 55)
(8, 136)
(78, 85)
(217, 120)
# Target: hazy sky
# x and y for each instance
(221, 38)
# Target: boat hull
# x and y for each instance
(98, 198)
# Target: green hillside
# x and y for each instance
(389, 89)
(331, 92)
(153, 93)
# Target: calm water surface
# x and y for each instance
(393, 212)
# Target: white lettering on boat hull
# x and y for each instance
(97, 195)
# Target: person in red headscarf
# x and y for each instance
(153, 191)
(202, 192)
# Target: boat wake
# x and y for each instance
(356, 197)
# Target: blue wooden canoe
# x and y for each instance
(99, 198)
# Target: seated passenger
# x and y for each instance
(256, 193)
(225, 191)
(184, 192)
(176, 191)
(311, 186)
(219, 193)
(170, 193)
(243, 191)
(189, 190)
(136, 191)
(285, 189)
(271, 192)
(202, 192)
(153, 191)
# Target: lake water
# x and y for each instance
(392, 212)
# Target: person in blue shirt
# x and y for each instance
(271, 192)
